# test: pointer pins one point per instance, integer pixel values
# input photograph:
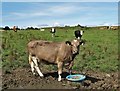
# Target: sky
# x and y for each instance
(38, 14)
(60, 0)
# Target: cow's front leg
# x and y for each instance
(60, 65)
(36, 66)
(70, 67)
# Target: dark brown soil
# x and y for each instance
(22, 78)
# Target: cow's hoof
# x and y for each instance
(42, 76)
(34, 74)
(59, 79)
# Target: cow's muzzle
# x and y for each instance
(75, 53)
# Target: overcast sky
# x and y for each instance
(59, 13)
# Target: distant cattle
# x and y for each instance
(60, 53)
(104, 27)
(78, 34)
(113, 27)
(53, 31)
(15, 28)
(42, 29)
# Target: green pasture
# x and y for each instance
(99, 53)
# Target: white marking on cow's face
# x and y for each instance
(78, 37)
(75, 40)
(81, 32)
(75, 46)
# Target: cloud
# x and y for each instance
(57, 24)
(18, 14)
(62, 9)
(41, 25)
(54, 11)
(29, 14)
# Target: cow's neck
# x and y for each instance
(74, 55)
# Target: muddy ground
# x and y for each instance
(22, 78)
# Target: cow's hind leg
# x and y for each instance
(60, 64)
(35, 60)
(32, 68)
(31, 64)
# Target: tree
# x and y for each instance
(30, 28)
(79, 25)
(6, 28)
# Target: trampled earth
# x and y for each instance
(22, 78)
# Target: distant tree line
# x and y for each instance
(28, 28)
(66, 28)
(8, 28)
(32, 28)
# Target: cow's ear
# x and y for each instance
(82, 42)
(68, 42)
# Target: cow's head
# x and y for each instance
(74, 45)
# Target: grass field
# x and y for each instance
(100, 51)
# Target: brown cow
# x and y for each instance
(14, 29)
(58, 53)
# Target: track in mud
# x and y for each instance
(22, 78)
